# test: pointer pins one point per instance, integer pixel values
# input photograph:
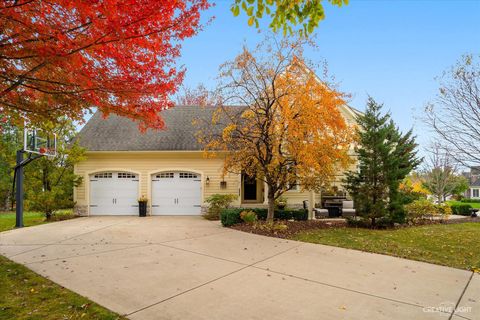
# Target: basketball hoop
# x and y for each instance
(35, 141)
(40, 142)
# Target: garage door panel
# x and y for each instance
(176, 193)
(114, 193)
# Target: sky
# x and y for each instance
(390, 50)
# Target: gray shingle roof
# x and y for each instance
(117, 133)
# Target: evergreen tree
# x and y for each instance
(385, 158)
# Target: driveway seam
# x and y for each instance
(133, 246)
(461, 296)
(339, 287)
(209, 282)
(78, 235)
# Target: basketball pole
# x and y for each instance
(18, 185)
(19, 191)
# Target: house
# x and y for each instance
(473, 177)
(166, 166)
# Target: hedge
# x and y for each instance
(470, 200)
(231, 216)
(461, 209)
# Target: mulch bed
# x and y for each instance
(294, 227)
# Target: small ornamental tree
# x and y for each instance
(58, 58)
(290, 130)
(441, 176)
(49, 182)
(385, 158)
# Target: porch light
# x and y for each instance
(207, 181)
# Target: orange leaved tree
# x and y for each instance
(288, 129)
(58, 58)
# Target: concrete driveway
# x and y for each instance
(189, 268)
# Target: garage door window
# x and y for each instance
(188, 175)
(104, 175)
(126, 175)
(165, 175)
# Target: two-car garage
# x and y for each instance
(172, 193)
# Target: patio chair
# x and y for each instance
(347, 209)
(319, 213)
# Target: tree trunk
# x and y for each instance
(271, 207)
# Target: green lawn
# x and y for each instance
(7, 219)
(454, 245)
(26, 295)
(473, 204)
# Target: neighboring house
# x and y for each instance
(166, 166)
(473, 177)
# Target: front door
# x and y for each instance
(249, 188)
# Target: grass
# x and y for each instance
(453, 245)
(7, 219)
(473, 204)
(26, 295)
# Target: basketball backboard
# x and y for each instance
(40, 142)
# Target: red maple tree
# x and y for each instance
(61, 57)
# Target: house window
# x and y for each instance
(104, 175)
(126, 175)
(475, 193)
(165, 175)
(187, 175)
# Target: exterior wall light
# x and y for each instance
(207, 181)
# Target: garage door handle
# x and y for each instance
(155, 205)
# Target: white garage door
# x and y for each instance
(176, 193)
(114, 193)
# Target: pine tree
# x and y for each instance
(385, 157)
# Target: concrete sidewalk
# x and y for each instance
(189, 268)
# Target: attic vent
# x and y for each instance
(126, 175)
(103, 175)
(188, 175)
(165, 175)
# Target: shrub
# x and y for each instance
(217, 202)
(248, 216)
(470, 200)
(461, 209)
(229, 217)
(300, 215)
(261, 213)
(281, 203)
(423, 208)
(419, 209)
(283, 215)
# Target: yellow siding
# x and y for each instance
(147, 163)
